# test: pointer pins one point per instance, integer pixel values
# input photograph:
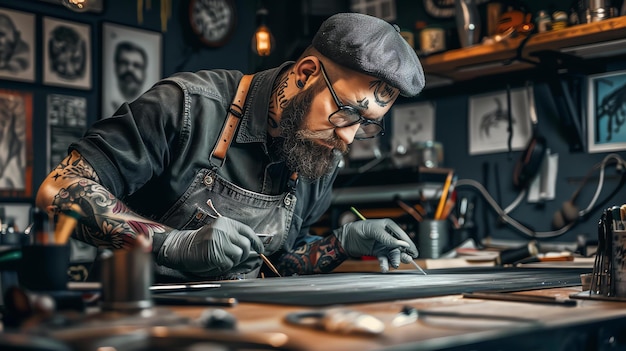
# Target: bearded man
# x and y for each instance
(216, 168)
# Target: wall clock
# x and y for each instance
(213, 21)
(443, 8)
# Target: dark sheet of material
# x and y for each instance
(346, 288)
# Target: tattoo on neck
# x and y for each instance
(383, 92)
(279, 91)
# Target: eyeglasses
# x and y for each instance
(347, 116)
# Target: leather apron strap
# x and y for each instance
(235, 112)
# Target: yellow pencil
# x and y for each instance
(444, 195)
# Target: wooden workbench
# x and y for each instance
(556, 325)
(589, 324)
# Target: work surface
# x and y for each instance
(446, 320)
(350, 288)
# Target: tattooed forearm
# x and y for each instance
(321, 256)
(105, 221)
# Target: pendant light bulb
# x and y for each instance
(263, 41)
(76, 5)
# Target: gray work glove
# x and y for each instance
(382, 238)
(214, 249)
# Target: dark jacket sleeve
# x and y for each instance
(127, 149)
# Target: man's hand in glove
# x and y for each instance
(382, 238)
(213, 249)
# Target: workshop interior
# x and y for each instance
(507, 171)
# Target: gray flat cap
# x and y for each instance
(373, 46)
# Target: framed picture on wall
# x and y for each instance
(489, 121)
(412, 125)
(131, 64)
(16, 158)
(67, 53)
(67, 122)
(606, 112)
(17, 47)
(15, 214)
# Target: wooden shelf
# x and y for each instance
(488, 59)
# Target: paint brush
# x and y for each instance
(263, 257)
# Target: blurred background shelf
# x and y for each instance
(591, 40)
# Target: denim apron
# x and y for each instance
(210, 196)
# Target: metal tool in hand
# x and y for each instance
(361, 217)
(263, 257)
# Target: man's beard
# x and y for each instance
(129, 85)
(310, 158)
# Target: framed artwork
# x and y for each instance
(16, 214)
(489, 122)
(365, 149)
(67, 53)
(16, 138)
(384, 9)
(17, 47)
(131, 64)
(67, 122)
(606, 112)
(412, 124)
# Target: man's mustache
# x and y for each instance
(332, 140)
(130, 77)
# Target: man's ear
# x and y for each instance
(307, 67)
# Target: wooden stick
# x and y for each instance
(68, 219)
(444, 195)
(269, 264)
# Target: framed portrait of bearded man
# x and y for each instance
(17, 45)
(67, 53)
(131, 64)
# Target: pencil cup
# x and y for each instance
(433, 238)
(44, 267)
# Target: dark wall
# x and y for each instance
(180, 52)
(291, 22)
(293, 26)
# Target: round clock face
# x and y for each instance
(439, 8)
(444, 8)
(212, 20)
